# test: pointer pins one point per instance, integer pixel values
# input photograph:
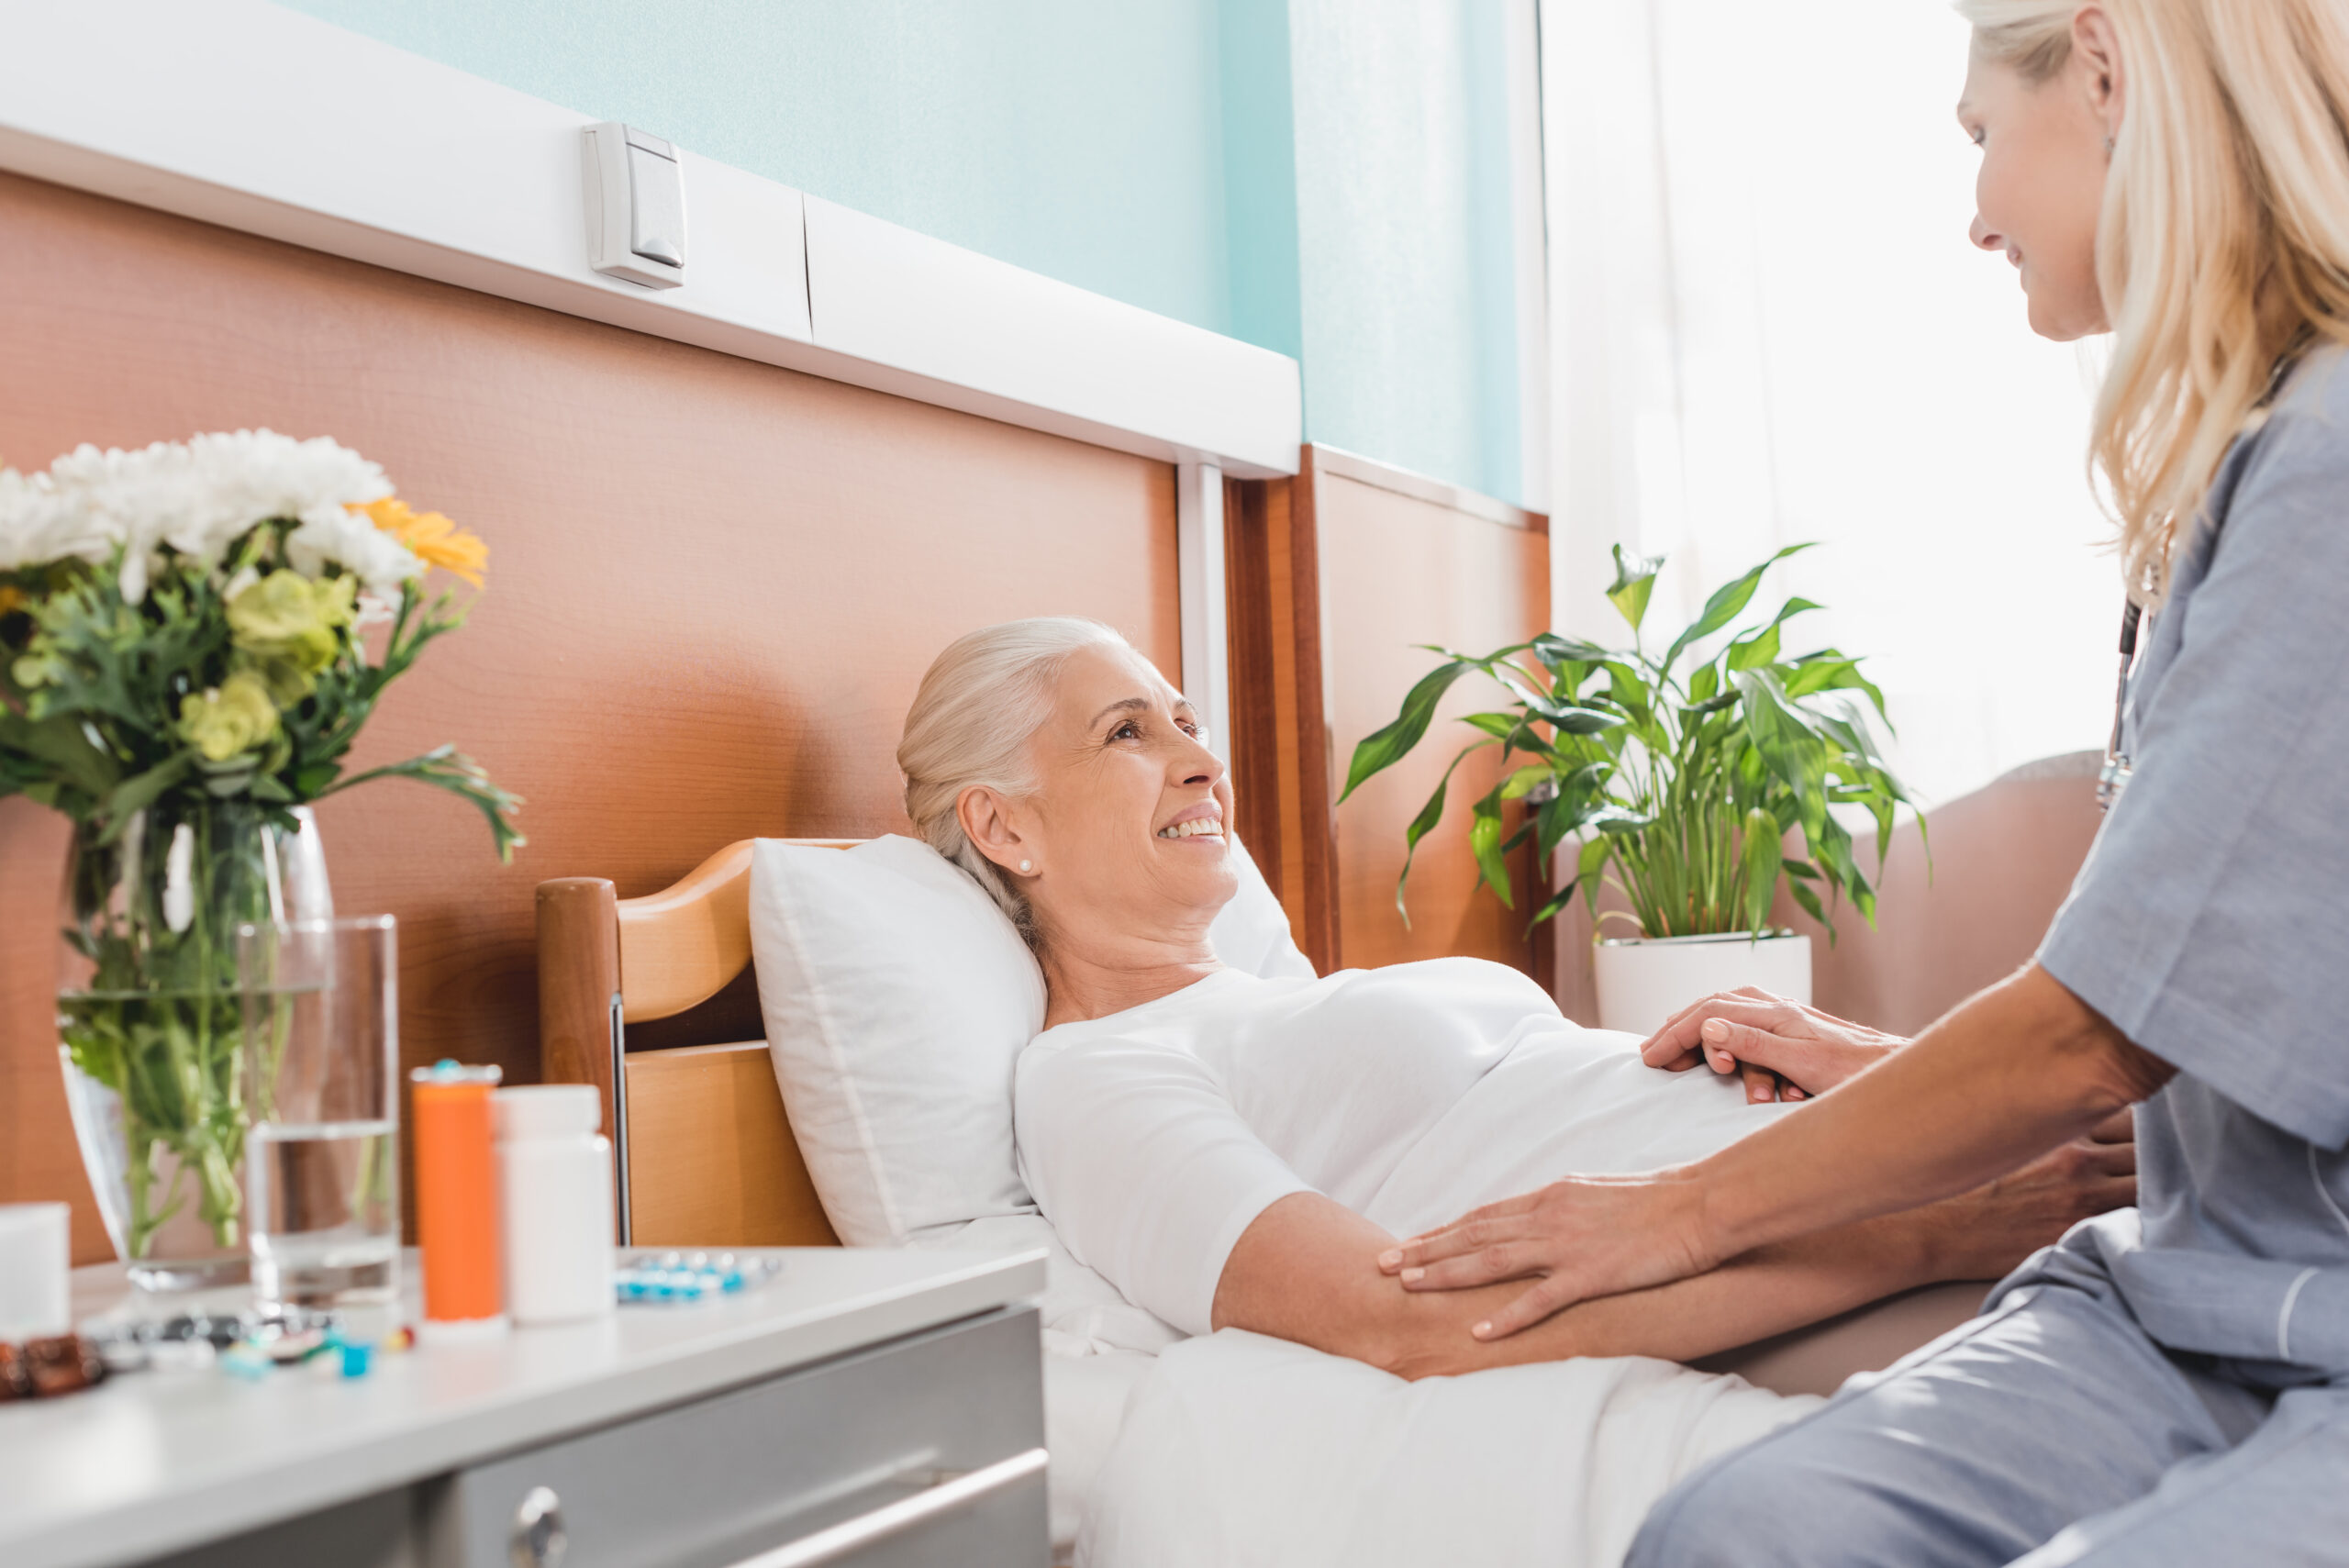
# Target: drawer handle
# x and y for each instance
(837, 1542)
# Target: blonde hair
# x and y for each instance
(2224, 238)
(980, 704)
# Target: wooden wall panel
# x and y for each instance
(1396, 571)
(1355, 573)
(714, 585)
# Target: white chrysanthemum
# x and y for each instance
(331, 534)
(197, 498)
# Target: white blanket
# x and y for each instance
(1240, 1450)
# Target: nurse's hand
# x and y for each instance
(1583, 1235)
(1783, 1050)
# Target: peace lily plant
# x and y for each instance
(191, 637)
(1681, 781)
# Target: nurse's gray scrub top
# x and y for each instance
(2210, 923)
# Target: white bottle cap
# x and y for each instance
(546, 1111)
(36, 1259)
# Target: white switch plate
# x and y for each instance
(636, 206)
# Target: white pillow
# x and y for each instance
(896, 998)
(1251, 931)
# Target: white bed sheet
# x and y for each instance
(1098, 1348)
(1237, 1449)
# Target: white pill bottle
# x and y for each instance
(554, 1196)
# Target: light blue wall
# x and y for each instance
(1327, 178)
(1405, 235)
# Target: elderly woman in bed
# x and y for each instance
(1234, 1152)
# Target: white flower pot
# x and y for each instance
(1642, 982)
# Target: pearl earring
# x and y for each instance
(1026, 865)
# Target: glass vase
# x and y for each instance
(150, 1026)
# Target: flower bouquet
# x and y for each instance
(191, 639)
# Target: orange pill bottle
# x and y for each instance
(456, 1200)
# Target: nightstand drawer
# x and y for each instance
(924, 1450)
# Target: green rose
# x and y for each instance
(285, 617)
(233, 717)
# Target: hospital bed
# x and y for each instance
(706, 1156)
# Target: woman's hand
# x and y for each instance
(1584, 1235)
(1785, 1051)
(1986, 1233)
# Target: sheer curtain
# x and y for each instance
(1768, 326)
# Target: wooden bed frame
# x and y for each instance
(702, 1147)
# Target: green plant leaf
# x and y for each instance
(1762, 647)
(1723, 606)
(1554, 651)
(1558, 901)
(1574, 721)
(1526, 780)
(1597, 850)
(1634, 581)
(1484, 843)
(1762, 854)
(1384, 748)
(1424, 824)
(445, 767)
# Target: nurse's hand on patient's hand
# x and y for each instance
(1783, 1050)
(1584, 1235)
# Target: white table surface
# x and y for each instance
(154, 1462)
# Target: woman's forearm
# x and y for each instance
(1306, 1271)
(2010, 1074)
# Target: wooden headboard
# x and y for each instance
(704, 1151)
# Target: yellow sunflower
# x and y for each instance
(430, 538)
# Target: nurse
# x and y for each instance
(2167, 1384)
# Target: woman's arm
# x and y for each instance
(2016, 1070)
(1306, 1271)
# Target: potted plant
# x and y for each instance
(1682, 775)
(191, 638)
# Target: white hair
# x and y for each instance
(980, 706)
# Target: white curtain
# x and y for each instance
(1768, 326)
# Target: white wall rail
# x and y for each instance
(242, 114)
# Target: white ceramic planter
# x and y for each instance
(1645, 981)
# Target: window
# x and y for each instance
(1769, 327)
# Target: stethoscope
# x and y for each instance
(2113, 778)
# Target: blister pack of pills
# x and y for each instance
(662, 1278)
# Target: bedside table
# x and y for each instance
(864, 1407)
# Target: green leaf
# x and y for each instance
(1811, 906)
(1484, 843)
(1424, 824)
(1704, 684)
(1526, 780)
(1596, 852)
(1499, 726)
(445, 767)
(1573, 720)
(1557, 901)
(1760, 648)
(1634, 581)
(1385, 748)
(1554, 651)
(1723, 606)
(1761, 856)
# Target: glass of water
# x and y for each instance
(322, 1183)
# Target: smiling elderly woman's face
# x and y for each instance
(1124, 830)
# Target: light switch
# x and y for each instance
(657, 221)
(635, 206)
